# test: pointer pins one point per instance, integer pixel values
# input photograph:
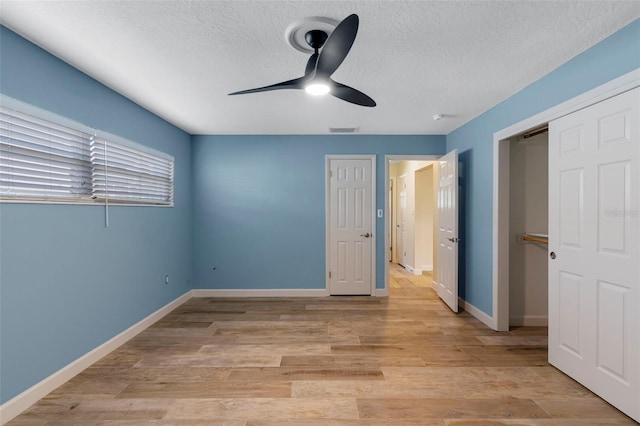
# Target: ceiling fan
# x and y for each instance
(329, 52)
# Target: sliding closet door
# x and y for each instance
(594, 249)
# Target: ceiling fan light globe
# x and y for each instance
(317, 89)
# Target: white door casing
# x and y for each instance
(447, 279)
(594, 248)
(350, 227)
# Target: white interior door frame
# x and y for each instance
(387, 161)
(499, 319)
(327, 213)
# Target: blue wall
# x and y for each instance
(259, 206)
(611, 58)
(67, 283)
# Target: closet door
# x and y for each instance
(594, 249)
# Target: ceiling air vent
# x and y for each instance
(344, 129)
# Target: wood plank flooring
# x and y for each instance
(402, 360)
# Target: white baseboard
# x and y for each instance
(529, 321)
(26, 399)
(381, 292)
(408, 268)
(478, 314)
(417, 271)
(427, 268)
(260, 293)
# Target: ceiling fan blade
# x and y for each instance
(350, 94)
(311, 64)
(337, 46)
(296, 83)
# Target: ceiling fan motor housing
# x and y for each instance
(316, 38)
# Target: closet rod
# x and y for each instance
(536, 238)
(535, 133)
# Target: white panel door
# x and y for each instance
(447, 279)
(350, 226)
(594, 240)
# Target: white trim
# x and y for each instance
(500, 261)
(476, 313)
(381, 292)
(260, 293)
(427, 268)
(21, 402)
(417, 271)
(529, 321)
(387, 160)
(327, 214)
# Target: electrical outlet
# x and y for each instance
(166, 279)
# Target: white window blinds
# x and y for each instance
(128, 174)
(41, 160)
(48, 158)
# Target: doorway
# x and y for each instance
(402, 239)
(412, 218)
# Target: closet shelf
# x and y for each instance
(535, 238)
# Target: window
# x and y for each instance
(124, 173)
(48, 161)
(41, 160)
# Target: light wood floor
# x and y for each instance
(405, 360)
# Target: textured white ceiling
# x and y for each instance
(180, 58)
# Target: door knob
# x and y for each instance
(552, 255)
(367, 235)
(453, 240)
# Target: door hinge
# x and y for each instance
(329, 274)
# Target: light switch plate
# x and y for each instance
(380, 212)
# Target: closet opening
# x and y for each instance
(528, 228)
